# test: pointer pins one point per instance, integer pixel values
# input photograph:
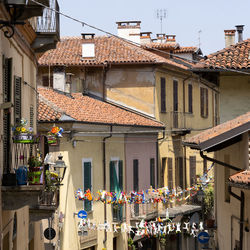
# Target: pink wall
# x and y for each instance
(142, 148)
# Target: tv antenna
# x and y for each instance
(199, 38)
(161, 14)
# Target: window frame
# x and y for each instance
(163, 94)
(204, 102)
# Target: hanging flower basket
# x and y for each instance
(52, 140)
(23, 138)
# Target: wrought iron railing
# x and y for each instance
(145, 210)
(49, 21)
(49, 198)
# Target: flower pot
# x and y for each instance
(34, 178)
(23, 138)
(52, 140)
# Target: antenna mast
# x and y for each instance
(161, 14)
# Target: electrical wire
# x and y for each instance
(130, 42)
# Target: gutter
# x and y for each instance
(240, 198)
(104, 179)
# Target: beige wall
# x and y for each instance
(234, 96)
(228, 213)
(90, 148)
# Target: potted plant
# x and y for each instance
(131, 245)
(209, 205)
(53, 135)
(35, 170)
(22, 134)
(163, 241)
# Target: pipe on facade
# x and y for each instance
(157, 158)
(240, 198)
(219, 162)
(104, 76)
(104, 178)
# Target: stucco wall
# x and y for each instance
(234, 96)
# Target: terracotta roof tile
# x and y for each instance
(186, 50)
(220, 129)
(242, 177)
(233, 57)
(107, 50)
(158, 45)
(53, 105)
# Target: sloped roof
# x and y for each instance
(219, 133)
(158, 45)
(241, 178)
(191, 49)
(107, 50)
(54, 105)
(234, 57)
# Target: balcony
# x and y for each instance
(47, 28)
(179, 123)
(88, 238)
(41, 198)
(24, 9)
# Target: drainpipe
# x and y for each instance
(104, 179)
(240, 198)
(104, 76)
(219, 162)
(157, 157)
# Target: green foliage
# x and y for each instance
(130, 242)
(208, 201)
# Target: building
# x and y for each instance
(24, 33)
(230, 142)
(228, 68)
(103, 146)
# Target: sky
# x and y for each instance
(185, 18)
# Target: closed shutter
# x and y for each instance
(190, 98)
(192, 166)
(206, 100)
(152, 172)
(204, 166)
(163, 94)
(7, 67)
(170, 173)
(112, 175)
(181, 183)
(135, 175)
(87, 184)
(163, 169)
(17, 100)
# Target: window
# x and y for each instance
(87, 182)
(116, 185)
(204, 102)
(7, 83)
(175, 96)
(216, 109)
(190, 98)
(204, 166)
(179, 182)
(152, 172)
(163, 169)
(47, 81)
(170, 173)
(136, 183)
(163, 94)
(192, 169)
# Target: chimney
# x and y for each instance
(88, 45)
(170, 38)
(229, 38)
(145, 37)
(129, 30)
(239, 29)
(59, 78)
(161, 38)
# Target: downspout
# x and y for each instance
(157, 158)
(240, 198)
(104, 179)
(184, 119)
(104, 76)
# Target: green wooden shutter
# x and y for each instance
(202, 101)
(87, 183)
(17, 100)
(120, 175)
(112, 176)
(163, 94)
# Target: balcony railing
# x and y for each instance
(49, 21)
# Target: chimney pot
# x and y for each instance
(229, 37)
(88, 45)
(145, 37)
(239, 29)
